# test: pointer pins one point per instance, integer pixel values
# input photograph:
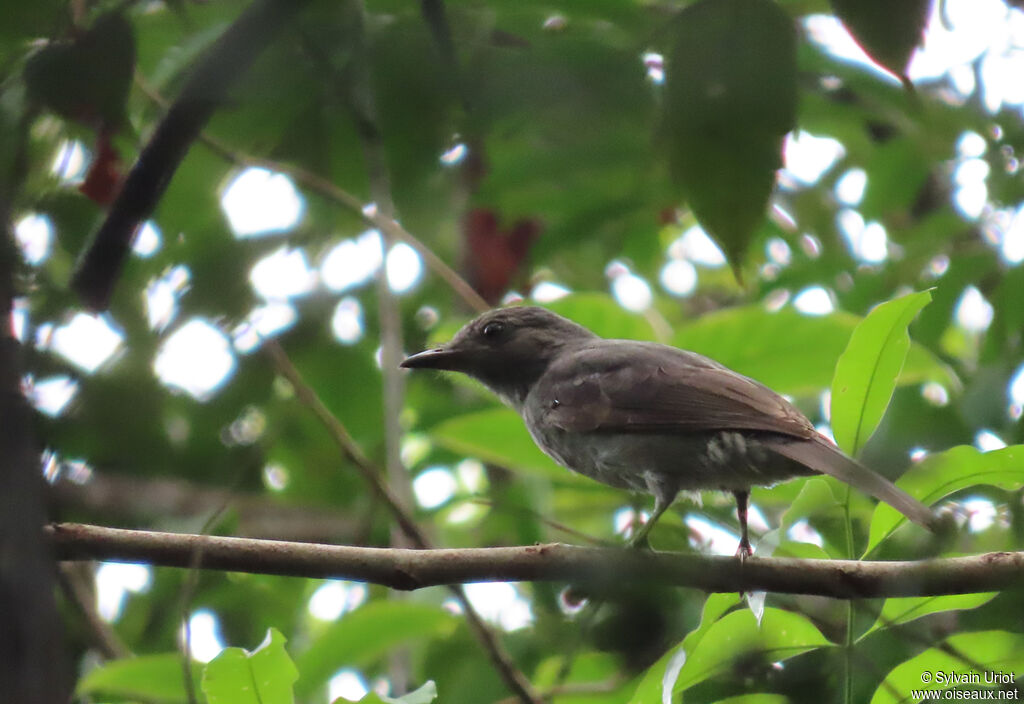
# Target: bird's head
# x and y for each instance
(506, 349)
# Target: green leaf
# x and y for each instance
(888, 31)
(901, 610)
(87, 78)
(756, 699)
(654, 681)
(497, 436)
(602, 314)
(730, 97)
(264, 676)
(867, 371)
(940, 475)
(362, 636)
(781, 635)
(965, 654)
(790, 352)
(815, 497)
(156, 678)
(424, 695)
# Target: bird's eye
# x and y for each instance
(493, 330)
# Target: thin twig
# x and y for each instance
(370, 215)
(188, 590)
(541, 518)
(309, 398)
(208, 83)
(75, 589)
(514, 679)
(551, 562)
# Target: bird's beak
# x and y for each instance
(443, 357)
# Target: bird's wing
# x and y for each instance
(622, 386)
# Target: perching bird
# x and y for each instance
(646, 416)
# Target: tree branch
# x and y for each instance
(219, 68)
(389, 227)
(512, 676)
(552, 562)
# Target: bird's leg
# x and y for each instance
(661, 504)
(743, 551)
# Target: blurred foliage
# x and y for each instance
(568, 141)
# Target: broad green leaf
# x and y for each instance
(156, 678)
(264, 676)
(790, 352)
(602, 314)
(966, 654)
(900, 610)
(815, 497)
(781, 635)
(730, 96)
(583, 669)
(888, 31)
(942, 474)
(497, 436)
(658, 678)
(762, 698)
(867, 371)
(803, 551)
(598, 312)
(424, 695)
(88, 78)
(360, 637)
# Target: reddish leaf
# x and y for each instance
(103, 180)
(496, 255)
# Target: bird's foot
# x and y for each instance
(743, 551)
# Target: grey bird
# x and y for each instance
(646, 416)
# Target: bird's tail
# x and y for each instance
(818, 454)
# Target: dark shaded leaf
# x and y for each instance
(88, 78)
(887, 31)
(730, 97)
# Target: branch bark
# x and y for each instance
(206, 88)
(552, 562)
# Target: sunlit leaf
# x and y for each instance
(730, 96)
(603, 315)
(901, 610)
(942, 474)
(815, 497)
(360, 637)
(967, 655)
(156, 678)
(424, 695)
(264, 676)
(780, 635)
(867, 372)
(762, 698)
(652, 688)
(790, 352)
(497, 436)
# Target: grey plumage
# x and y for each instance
(645, 416)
